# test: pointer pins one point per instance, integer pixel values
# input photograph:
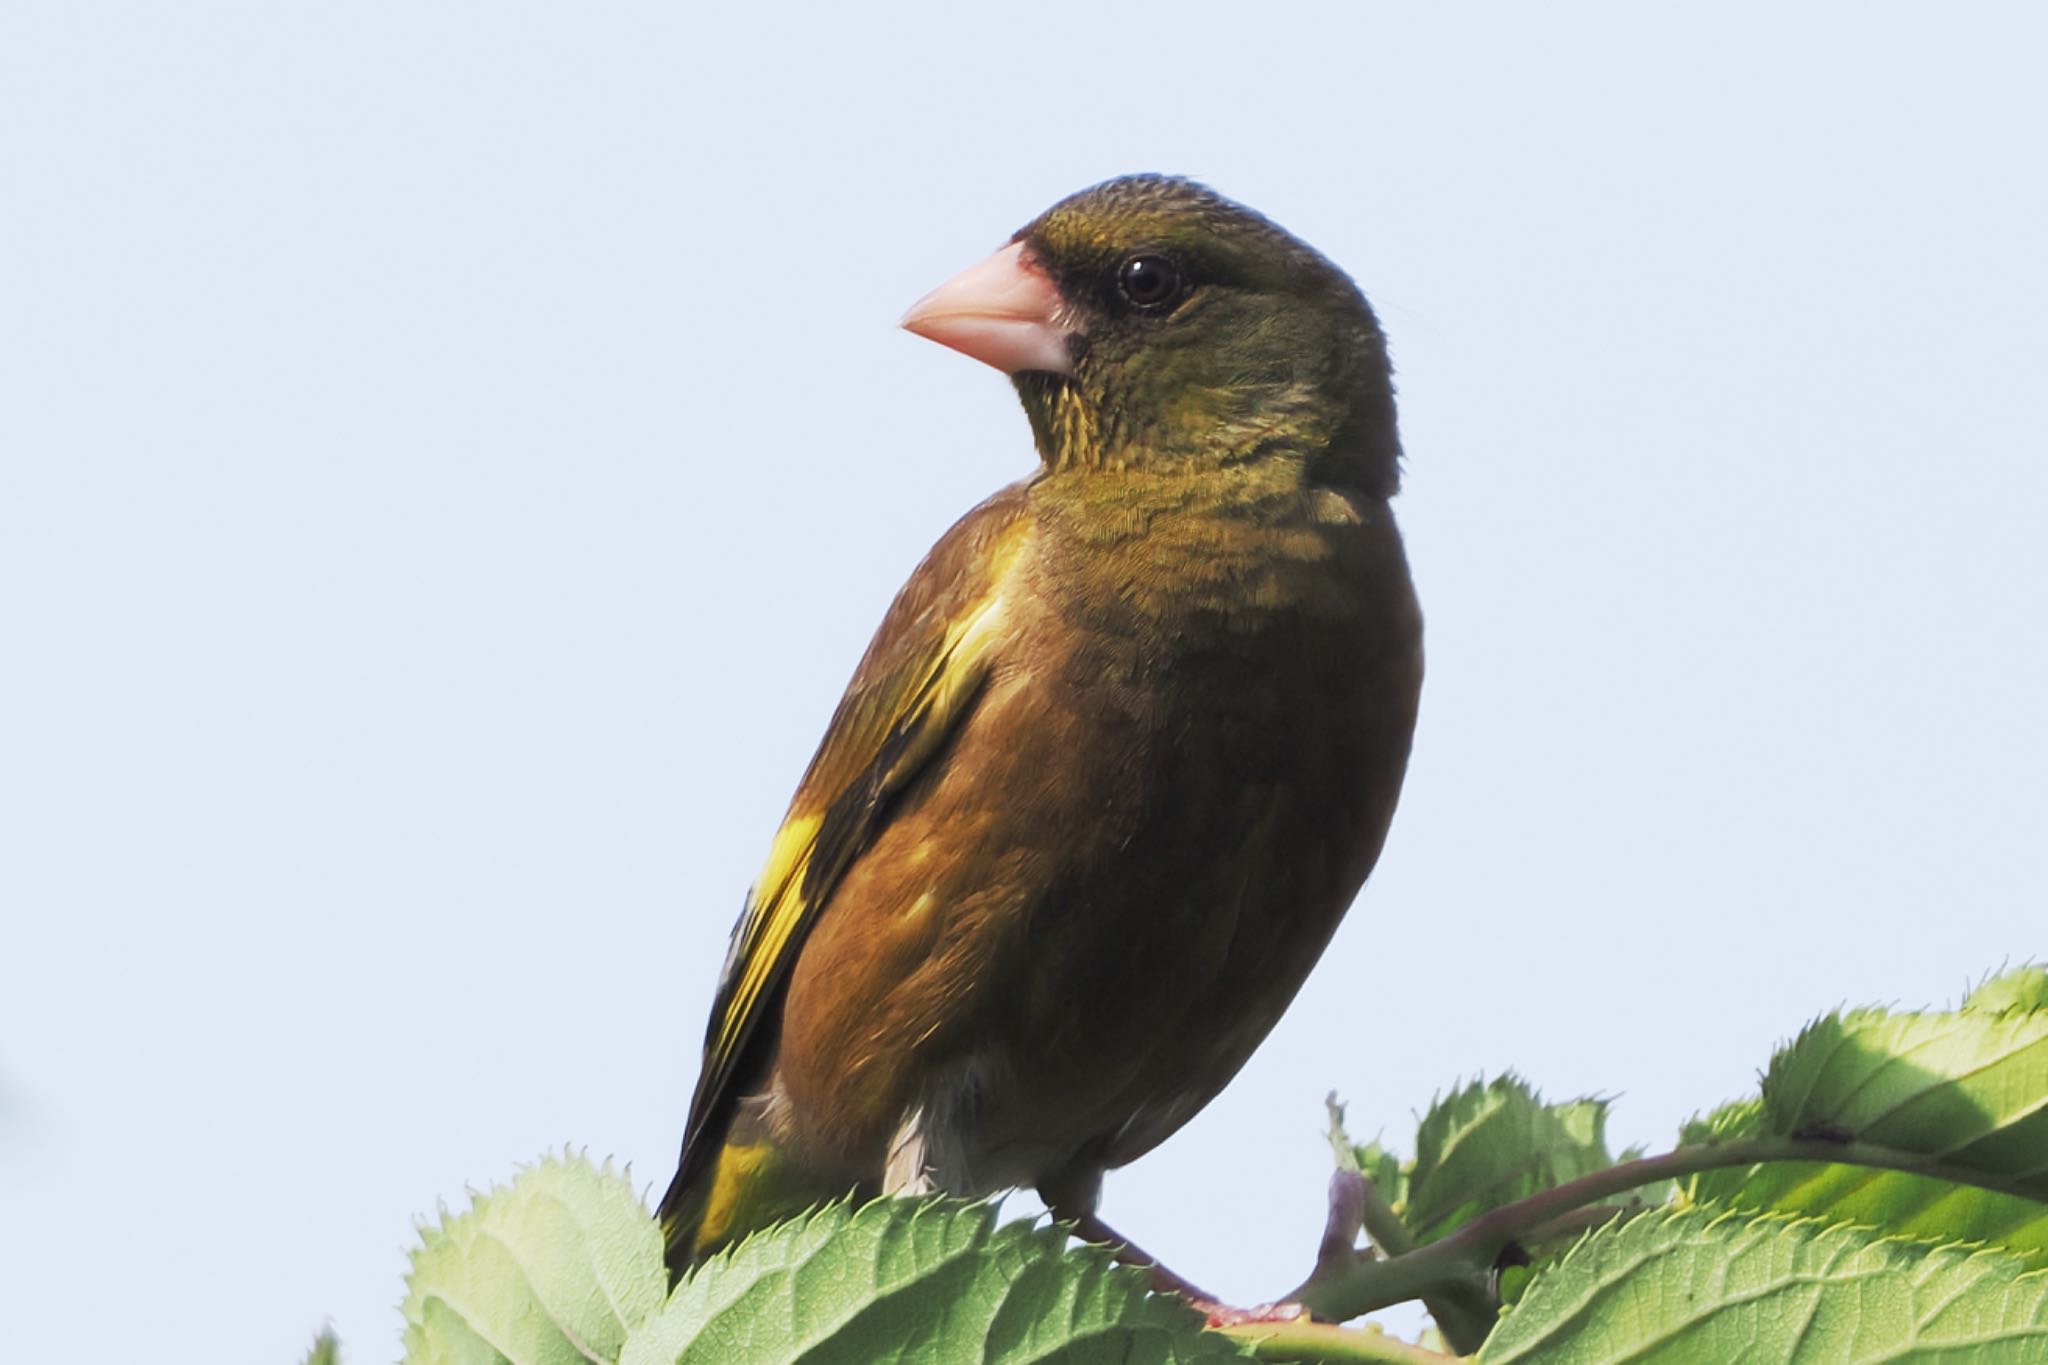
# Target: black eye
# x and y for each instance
(1149, 281)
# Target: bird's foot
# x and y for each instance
(1090, 1228)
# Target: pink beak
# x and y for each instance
(1004, 312)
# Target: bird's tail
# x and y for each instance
(742, 1185)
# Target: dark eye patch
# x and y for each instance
(1136, 277)
(1151, 281)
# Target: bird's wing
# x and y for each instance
(917, 682)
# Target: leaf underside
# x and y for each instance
(1696, 1285)
(1968, 1088)
(564, 1267)
(897, 1280)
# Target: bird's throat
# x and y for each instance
(1193, 429)
(1064, 424)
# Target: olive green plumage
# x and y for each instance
(1118, 759)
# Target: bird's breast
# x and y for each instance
(1220, 711)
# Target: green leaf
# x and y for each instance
(1478, 1148)
(326, 1349)
(1737, 1118)
(2022, 988)
(1969, 1088)
(564, 1267)
(1690, 1286)
(557, 1268)
(1485, 1145)
(1384, 1169)
(1492, 1143)
(900, 1280)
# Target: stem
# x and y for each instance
(1322, 1342)
(1464, 1313)
(1579, 1221)
(1468, 1255)
(1382, 1224)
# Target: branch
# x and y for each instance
(1330, 1345)
(1466, 1258)
(1463, 1313)
(1382, 1224)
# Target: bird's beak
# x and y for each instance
(1004, 312)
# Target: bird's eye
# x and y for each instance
(1149, 281)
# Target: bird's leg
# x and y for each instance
(1090, 1228)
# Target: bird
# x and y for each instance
(1118, 759)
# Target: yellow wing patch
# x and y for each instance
(916, 685)
(794, 884)
(773, 915)
(961, 669)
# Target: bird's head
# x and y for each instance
(1150, 321)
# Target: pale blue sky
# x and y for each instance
(451, 456)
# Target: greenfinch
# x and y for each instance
(1119, 757)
